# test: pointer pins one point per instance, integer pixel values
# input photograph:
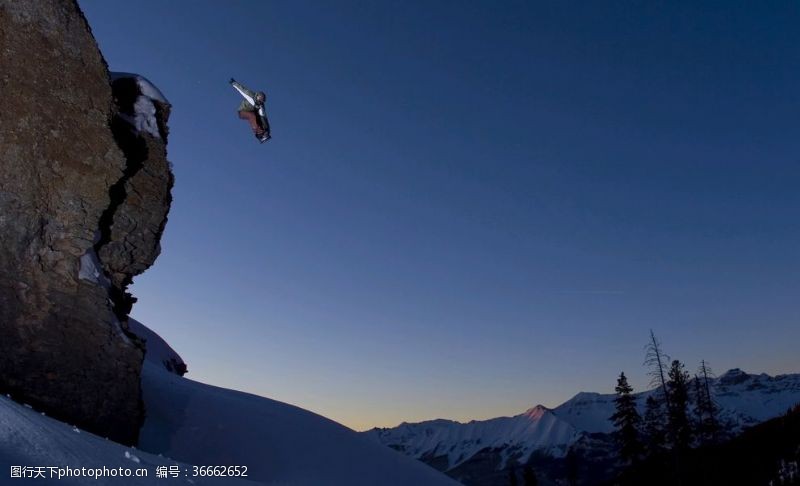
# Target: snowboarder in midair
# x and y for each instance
(252, 109)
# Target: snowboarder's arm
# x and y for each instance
(250, 96)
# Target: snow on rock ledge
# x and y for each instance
(140, 102)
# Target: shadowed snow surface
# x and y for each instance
(30, 439)
(280, 443)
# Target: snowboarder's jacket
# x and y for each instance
(249, 101)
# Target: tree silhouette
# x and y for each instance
(680, 433)
(708, 426)
(529, 477)
(512, 476)
(656, 360)
(627, 421)
(572, 466)
(654, 430)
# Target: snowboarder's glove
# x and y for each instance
(232, 81)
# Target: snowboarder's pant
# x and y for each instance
(254, 120)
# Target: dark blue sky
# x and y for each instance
(468, 208)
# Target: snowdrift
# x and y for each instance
(193, 424)
(280, 443)
(28, 438)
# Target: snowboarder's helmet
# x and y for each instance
(260, 97)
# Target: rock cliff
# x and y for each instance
(84, 196)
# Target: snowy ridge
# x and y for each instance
(751, 399)
(589, 412)
(280, 443)
(536, 429)
(190, 423)
(147, 88)
(744, 400)
(157, 350)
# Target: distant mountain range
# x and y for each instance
(481, 452)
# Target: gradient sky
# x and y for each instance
(470, 208)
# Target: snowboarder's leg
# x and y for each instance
(265, 125)
(252, 118)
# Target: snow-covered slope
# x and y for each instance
(280, 443)
(157, 350)
(588, 411)
(28, 438)
(744, 400)
(203, 425)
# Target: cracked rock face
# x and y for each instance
(69, 241)
(131, 227)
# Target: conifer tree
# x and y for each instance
(529, 476)
(572, 466)
(707, 410)
(698, 410)
(680, 434)
(512, 476)
(627, 421)
(653, 426)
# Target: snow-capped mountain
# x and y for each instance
(744, 400)
(535, 429)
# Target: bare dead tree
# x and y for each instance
(705, 372)
(708, 409)
(657, 360)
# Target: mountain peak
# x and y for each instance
(733, 376)
(536, 412)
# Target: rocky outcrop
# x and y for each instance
(131, 226)
(82, 208)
